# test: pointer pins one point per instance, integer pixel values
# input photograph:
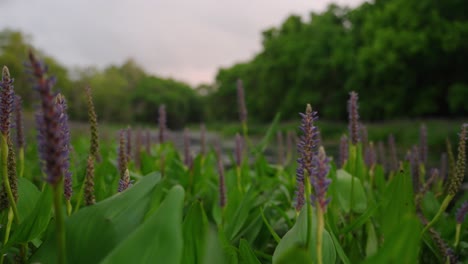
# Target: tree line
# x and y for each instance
(405, 58)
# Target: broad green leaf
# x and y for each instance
(94, 231)
(372, 243)
(297, 236)
(295, 254)
(398, 202)
(401, 246)
(157, 239)
(28, 195)
(36, 222)
(237, 215)
(343, 192)
(246, 253)
(195, 229)
(213, 253)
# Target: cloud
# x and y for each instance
(188, 40)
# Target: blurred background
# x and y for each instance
(405, 58)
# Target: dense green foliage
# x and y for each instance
(405, 58)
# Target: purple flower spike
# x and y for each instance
(48, 121)
(62, 106)
(370, 157)
(319, 179)
(353, 118)
(461, 212)
(307, 149)
(6, 101)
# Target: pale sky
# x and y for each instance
(188, 40)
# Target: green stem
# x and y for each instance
(457, 235)
(69, 207)
(352, 168)
(442, 208)
(239, 179)
(21, 162)
(7, 231)
(59, 224)
(320, 227)
(80, 196)
(309, 209)
(6, 181)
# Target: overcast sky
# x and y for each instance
(187, 40)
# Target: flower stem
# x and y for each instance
(21, 162)
(7, 231)
(59, 224)
(309, 209)
(442, 208)
(457, 235)
(6, 181)
(320, 227)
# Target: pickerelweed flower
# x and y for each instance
(162, 123)
(415, 173)
(6, 101)
(128, 149)
(461, 212)
(65, 130)
(460, 218)
(319, 179)
(122, 162)
(123, 159)
(457, 177)
(370, 157)
(51, 139)
(307, 148)
(353, 118)
(93, 125)
(89, 182)
(423, 144)
(344, 150)
(11, 164)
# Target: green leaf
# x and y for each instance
(343, 192)
(36, 222)
(297, 236)
(398, 202)
(269, 134)
(247, 254)
(296, 255)
(158, 239)
(96, 230)
(195, 228)
(401, 246)
(28, 195)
